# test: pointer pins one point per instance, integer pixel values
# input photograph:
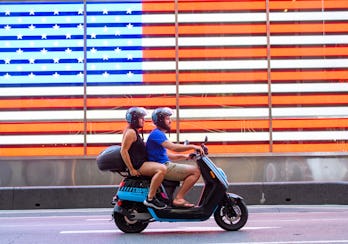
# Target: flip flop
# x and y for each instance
(183, 204)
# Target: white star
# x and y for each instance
(80, 60)
(68, 50)
(117, 50)
(106, 75)
(31, 75)
(19, 37)
(130, 74)
(68, 36)
(56, 60)
(93, 50)
(80, 27)
(129, 11)
(105, 11)
(7, 61)
(56, 27)
(105, 57)
(31, 27)
(19, 51)
(31, 12)
(43, 51)
(129, 57)
(7, 27)
(129, 26)
(105, 29)
(7, 76)
(117, 33)
(7, 12)
(44, 36)
(93, 36)
(56, 12)
(80, 11)
(80, 75)
(56, 75)
(31, 61)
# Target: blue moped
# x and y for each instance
(132, 216)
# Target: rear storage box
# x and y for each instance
(110, 159)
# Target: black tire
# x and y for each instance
(127, 225)
(224, 217)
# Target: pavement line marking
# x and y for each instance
(185, 229)
(288, 242)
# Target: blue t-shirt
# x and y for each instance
(155, 151)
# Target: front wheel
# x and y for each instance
(230, 216)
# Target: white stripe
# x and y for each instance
(310, 135)
(314, 112)
(206, 65)
(181, 229)
(41, 91)
(210, 113)
(68, 115)
(309, 16)
(41, 115)
(205, 41)
(41, 139)
(170, 89)
(183, 89)
(221, 17)
(192, 137)
(244, 17)
(309, 87)
(309, 63)
(308, 39)
(204, 18)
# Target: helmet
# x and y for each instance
(158, 116)
(133, 114)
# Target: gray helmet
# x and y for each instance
(133, 114)
(158, 116)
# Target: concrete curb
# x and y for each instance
(296, 193)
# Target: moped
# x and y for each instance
(132, 216)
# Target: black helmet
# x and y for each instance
(158, 116)
(133, 114)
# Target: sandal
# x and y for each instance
(182, 203)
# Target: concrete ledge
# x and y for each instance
(296, 193)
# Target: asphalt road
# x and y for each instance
(266, 225)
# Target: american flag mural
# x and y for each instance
(254, 76)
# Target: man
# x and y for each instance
(156, 148)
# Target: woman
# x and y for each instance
(133, 153)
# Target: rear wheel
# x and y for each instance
(231, 217)
(128, 225)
